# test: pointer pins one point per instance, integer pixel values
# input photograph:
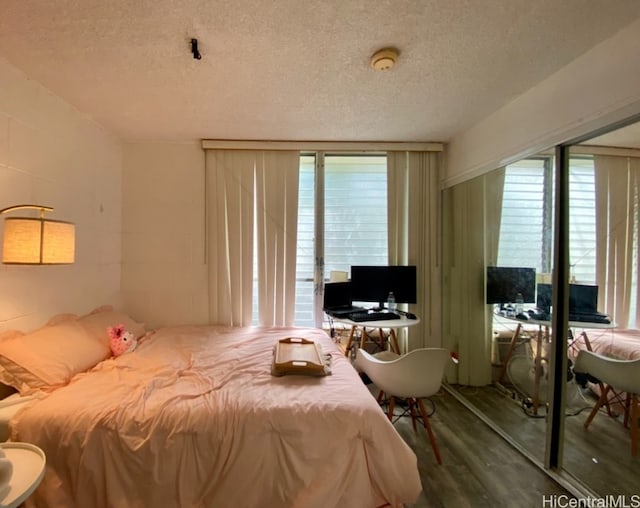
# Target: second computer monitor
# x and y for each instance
(374, 283)
(583, 298)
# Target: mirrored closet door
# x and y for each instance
(523, 218)
(604, 260)
(498, 252)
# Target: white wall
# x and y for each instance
(53, 155)
(600, 87)
(164, 275)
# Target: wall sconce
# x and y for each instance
(37, 241)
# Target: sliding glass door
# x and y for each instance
(342, 221)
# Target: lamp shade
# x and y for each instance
(338, 276)
(31, 241)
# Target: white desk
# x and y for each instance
(546, 325)
(543, 334)
(391, 324)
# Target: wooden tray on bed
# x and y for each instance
(296, 355)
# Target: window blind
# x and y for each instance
(582, 220)
(523, 215)
(527, 217)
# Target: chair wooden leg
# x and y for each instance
(635, 422)
(392, 405)
(380, 396)
(427, 425)
(606, 402)
(601, 401)
(350, 343)
(627, 408)
(412, 409)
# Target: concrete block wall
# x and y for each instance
(164, 275)
(54, 155)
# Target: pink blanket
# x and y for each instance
(617, 343)
(193, 417)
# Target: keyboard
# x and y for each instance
(361, 316)
(539, 316)
(590, 318)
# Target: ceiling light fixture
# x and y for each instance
(384, 59)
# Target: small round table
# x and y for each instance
(391, 324)
(28, 469)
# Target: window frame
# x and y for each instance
(319, 245)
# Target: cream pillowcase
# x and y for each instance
(49, 357)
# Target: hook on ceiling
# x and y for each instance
(194, 49)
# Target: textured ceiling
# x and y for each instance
(294, 69)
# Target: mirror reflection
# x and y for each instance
(498, 265)
(599, 447)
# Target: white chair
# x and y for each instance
(621, 375)
(413, 376)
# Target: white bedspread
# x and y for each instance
(193, 417)
(8, 408)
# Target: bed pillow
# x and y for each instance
(49, 357)
(97, 323)
(10, 334)
(61, 318)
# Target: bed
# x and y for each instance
(193, 417)
(623, 344)
(619, 343)
(9, 406)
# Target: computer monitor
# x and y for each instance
(374, 283)
(337, 295)
(545, 294)
(505, 283)
(583, 298)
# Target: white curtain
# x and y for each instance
(617, 260)
(277, 217)
(414, 235)
(237, 182)
(398, 207)
(494, 192)
(466, 321)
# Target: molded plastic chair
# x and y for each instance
(413, 376)
(622, 375)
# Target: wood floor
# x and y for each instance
(479, 469)
(599, 457)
